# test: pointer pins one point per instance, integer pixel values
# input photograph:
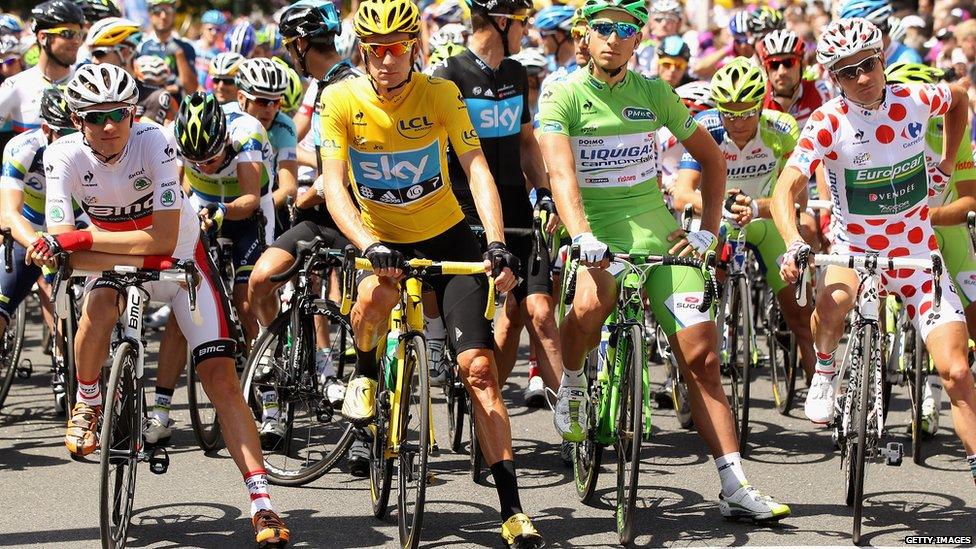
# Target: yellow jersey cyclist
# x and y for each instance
(598, 130)
(125, 176)
(756, 143)
(389, 129)
(261, 86)
(948, 214)
(881, 174)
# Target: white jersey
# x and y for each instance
(20, 98)
(121, 196)
(879, 170)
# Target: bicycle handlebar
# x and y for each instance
(871, 263)
(185, 273)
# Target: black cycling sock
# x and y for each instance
(503, 473)
(366, 363)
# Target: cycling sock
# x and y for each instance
(257, 487)
(503, 473)
(160, 411)
(366, 363)
(269, 405)
(534, 367)
(434, 328)
(932, 392)
(825, 362)
(573, 379)
(730, 472)
(972, 465)
(89, 392)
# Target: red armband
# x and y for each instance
(74, 241)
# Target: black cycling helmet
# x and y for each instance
(96, 10)
(201, 128)
(499, 6)
(54, 109)
(56, 13)
(314, 20)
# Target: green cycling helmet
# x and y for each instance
(201, 128)
(443, 52)
(905, 73)
(637, 8)
(739, 82)
(295, 91)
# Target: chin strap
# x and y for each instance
(376, 88)
(866, 106)
(501, 32)
(50, 55)
(612, 73)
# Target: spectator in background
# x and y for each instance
(665, 20)
(162, 42)
(673, 55)
(554, 24)
(210, 42)
(742, 46)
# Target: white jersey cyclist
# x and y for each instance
(20, 98)
(881, 175)
(23, 171)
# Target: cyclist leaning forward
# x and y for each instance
(612, 203)
(756, 143)
(389, 129)
(880, 187)
(125, 177)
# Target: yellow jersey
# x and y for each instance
(397, 152)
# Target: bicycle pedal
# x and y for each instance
(893, 453)
(158, 460)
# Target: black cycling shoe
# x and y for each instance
(358, 456)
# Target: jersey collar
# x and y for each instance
(600, 85)
(868, 114)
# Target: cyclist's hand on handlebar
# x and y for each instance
(42, 251)
(502, 265)
(546, 203)
(685, 243)
(212, 216)
(386, 261)
(789, 271)
(739, 208)
(593, 253)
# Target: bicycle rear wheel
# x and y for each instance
(121, 444)
(916, 384)
(456, 397)
(11, 345)
(629, 426)
(474, 449)
(414, 443)
(380, 467)
(203, 415)
(739, 358)
(868, 353)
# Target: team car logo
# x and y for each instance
(57, 214)
(168, 198)
(141, 184)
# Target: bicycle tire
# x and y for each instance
(121, 432)
(783, 356)
(11, 345)
(380, 467)
(295, 460)
(203, 415)
(456, 400)
(70, 367)
(732, 350)
(746, 338)
(629, 426)
(588, 455)
(864, 396)
(412, 457)
(477, 460)
(917, 382)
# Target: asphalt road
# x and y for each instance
(51, 500)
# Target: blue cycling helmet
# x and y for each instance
(314, 20)
(241, 39)
(740, 24)
(674, 46)
(875, 11)
(555, 17)
(10, 24)
(214, 17)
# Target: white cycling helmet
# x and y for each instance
(698, 92)
(262, 77)
(845, 37)
(225, 64)
(452, 33)
(346, 41)
(667, 7)
(533, 59)
(94, 85)
(896, 29)
(150, 67)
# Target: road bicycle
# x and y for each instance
(282, 367)
(619, 409)
(12, 342)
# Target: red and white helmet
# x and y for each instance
(780, 42)
(845, 37)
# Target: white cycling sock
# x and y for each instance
(933, 391)
(573, 379)
(825, 362)
(730, 473)
(257, 487)
(323, 363)
(434, 328)
(89, 392)
(160, 411)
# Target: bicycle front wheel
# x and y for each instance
(920, 364)
(783, 357)
(629, 426)
(121, 443)
(10, 347)
(587, 455)
(203, 415)
(456, 397)
(414, 443)
(861, 424)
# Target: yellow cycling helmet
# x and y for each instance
(113, 31)
(387, 17)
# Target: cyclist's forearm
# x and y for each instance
(340, 205)
(99, 261)
(705, 151)
(562, 178)
(685, 191)
(12, 218)
(485, 195)
(532, 164)
(153, 241)
(953, 213)
(788, 187)
(287, 182)
(956, 119)
(242, 207)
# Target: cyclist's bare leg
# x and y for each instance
(172, 355)
(596, 296)
(480, 376)
(949, 351)
(98, 317)
(249, 323)
(219, 378)
(696, 350)
(261, 292)
(798, 320)
(508, 329)
(47, 306)
(835, 299)
(539, 309)
(371, 314)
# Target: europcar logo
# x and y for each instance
(638, 113)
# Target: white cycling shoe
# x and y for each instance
(535, 392)
(819, 407)
(749, 503)
(570, 414)
(155, 432)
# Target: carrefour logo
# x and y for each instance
(398, 170)
(638, 113)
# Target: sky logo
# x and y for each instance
(396, 170)
(495, 118)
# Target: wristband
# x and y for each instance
(73, 241)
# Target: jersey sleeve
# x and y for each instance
(672, 113)
(59, 180)
(248, 137)
(784, 133)
(163, 170)
(8, 99)
(815, 141)
(454, 113)
(333, 122)
(16, 162)
(934, 99)
(287, 139)
(556, 109)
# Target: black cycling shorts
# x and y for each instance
(534, 275)
(307, 231)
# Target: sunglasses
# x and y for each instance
(520, 17)
(61, 132)
(850, 72)
(100, 118)
(263, 101)
(10, 61)
(606, 27)
(672, 64)
(729, 114)
(665, 19)
(224, 81)
(396, 48)
(63, 32)
(213, 159)
(156, 10)
(775, 64)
